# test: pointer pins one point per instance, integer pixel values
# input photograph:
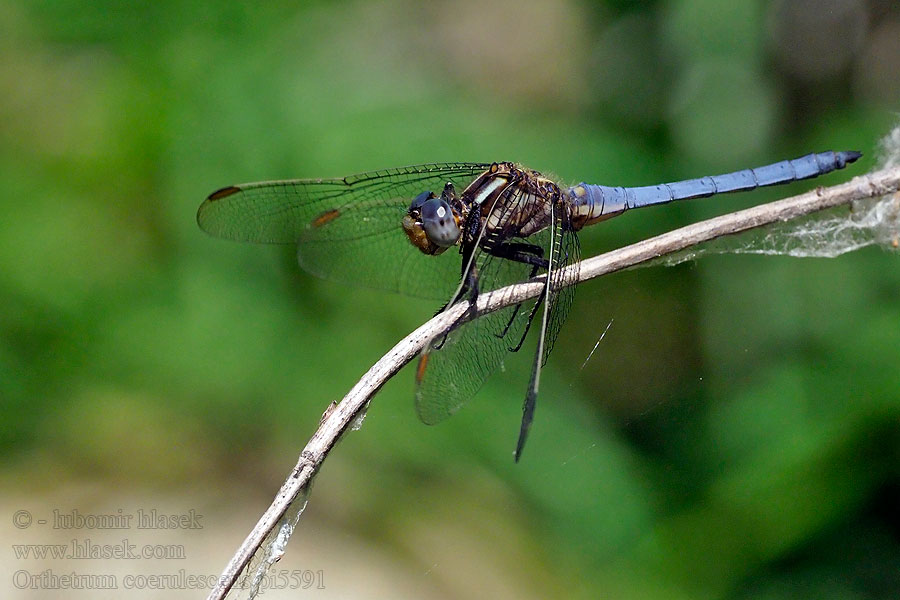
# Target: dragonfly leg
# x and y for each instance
(533, 255)
(468, 288)
(531, 316)
(529, 254)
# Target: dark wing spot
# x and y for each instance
(224, 192)
(326, 217)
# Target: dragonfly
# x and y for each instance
(451, 231)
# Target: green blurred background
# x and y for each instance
(735, 435)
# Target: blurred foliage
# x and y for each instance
(735, 435)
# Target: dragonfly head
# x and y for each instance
(431, 224)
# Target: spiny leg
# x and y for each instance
(468, 287)
(530, 254)
(531, 315)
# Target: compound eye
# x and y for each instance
(439, 222)
(419, 200)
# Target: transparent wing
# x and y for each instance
(558, 295)
(455, 367)
(562, 288)
(347, 229)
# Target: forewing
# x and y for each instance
(346, 229)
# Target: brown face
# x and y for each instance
(412, 226)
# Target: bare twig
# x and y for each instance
(337, 420)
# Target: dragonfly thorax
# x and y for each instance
(513, 201)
